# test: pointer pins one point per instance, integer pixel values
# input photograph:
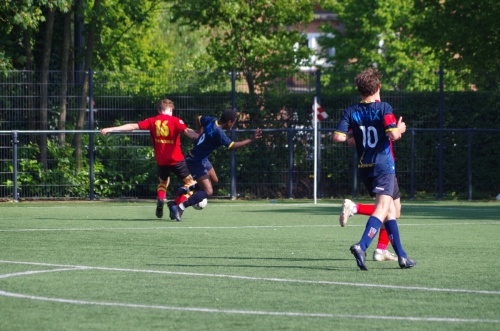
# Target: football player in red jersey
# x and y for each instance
(165, 130)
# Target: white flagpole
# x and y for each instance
(315, 121)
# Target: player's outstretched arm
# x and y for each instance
(124, 127)
(238, 144)
(191, 133)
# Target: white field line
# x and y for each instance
(213, 310)
(280, 280)
(247, 312)
(237, 227)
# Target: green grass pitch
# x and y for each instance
(239, 265)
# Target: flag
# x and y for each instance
(321, 112)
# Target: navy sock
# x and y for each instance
(195, 198)
(372, 226)
(393, 231)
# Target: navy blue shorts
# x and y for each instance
(180, 170)
(198, 168)
(382, 184)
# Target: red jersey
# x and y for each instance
(165, 133)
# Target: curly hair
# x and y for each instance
(368, 82)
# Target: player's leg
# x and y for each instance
(381, 253)
(181, 198)
(213, 178)
(200, 172)
(393, 231)
(213, 175)
(371, 229)
(378, 186)
(161, 190)
(182, 172)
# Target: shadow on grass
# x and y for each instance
(471, 212)
(295, 266)
(114, 219)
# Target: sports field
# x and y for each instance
(250, 265)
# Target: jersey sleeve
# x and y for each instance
(390, 123)
(343, 125)
(181, 126)
(144, 125)
(389, 119)
(225, 141)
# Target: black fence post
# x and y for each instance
(318, 99)
(469, 164)
(233, 194)
(354, 160)
(91, 135)
(291, 132)
(412, 165)
(441, 124)
(15, 142)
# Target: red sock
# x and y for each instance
(161, 191)
(365, 209)
(383, 239)
(181, 198)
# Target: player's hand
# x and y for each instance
(105, 130)
(401, 125)
(258, 134)
(351, 141)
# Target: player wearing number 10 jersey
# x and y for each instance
(373, 127)
(165, 131)
(369, 122)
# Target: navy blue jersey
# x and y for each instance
(211, 138)
(369, 123)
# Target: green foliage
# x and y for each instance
(384, 34)
(252, 37)
(125, 166)
(130, 39)
(463, 35)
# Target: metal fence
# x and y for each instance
(123, 166)
(449, 150)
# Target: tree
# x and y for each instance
(464, 34)
(411, 39)
(252, 36)
(379, 33)
(95, 14)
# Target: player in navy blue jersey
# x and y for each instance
(211, 136)
(374, 126)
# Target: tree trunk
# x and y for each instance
(44, 85)
(85, 85)
(250, 78)
(63, 92)
(29, 106)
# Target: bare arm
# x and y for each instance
(124, 127)
(238, 144)
(191, 133)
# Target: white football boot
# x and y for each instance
(383, 255)
(348, 209)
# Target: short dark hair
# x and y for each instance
(368, 82)
(227, 115)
